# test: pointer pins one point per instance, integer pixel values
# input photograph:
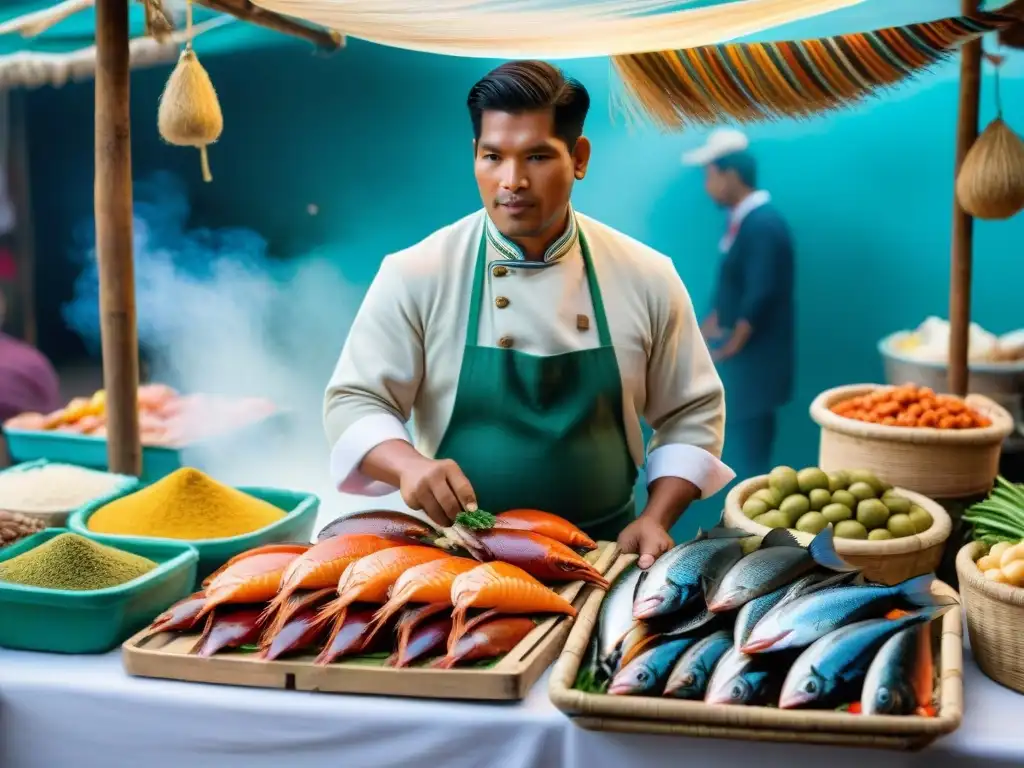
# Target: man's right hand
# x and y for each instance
(710, 329)
(437, 487)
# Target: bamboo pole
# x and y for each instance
(113, 211)
(963, 223)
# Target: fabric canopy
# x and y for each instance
(66, 50)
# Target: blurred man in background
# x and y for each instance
(751, 323)
(28, 382)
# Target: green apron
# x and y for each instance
(544, 433)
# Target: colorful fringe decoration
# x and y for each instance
(747, 82)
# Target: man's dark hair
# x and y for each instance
(531, 86)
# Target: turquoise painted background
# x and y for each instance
(379, 141)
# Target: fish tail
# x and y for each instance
(198, 648)
(446, 662)
(458, 626)
(918, 591)
(823, 549)
(327, 655)
(274, 615)
(380, 618)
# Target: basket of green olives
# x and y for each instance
(891, 534)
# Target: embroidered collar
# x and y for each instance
(512, 252)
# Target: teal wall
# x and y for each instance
(378, 139)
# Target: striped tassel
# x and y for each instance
(748, 82)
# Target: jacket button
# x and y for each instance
(505, 342)
(501, 302)
(500, 271)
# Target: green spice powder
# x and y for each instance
(72, 562)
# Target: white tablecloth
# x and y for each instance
(85, 712)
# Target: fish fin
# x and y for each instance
(207, 628)
(723, 532)
(818, 584)
(779, 537)
(822, 548)
(932, 612)
(380, 618)
(918, 591)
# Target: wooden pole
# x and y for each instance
(246, 11)
(113, 210)
(963, 223)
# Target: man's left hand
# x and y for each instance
(646, 537)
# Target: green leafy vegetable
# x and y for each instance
(477, 521)
(1000, 517)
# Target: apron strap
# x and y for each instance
(476, 298)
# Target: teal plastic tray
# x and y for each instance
(97, 621)
(58, 519)
(297, 525)
(157, 462)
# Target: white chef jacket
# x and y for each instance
(402, 358)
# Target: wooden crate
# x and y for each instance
(166, 655)
(628, 714)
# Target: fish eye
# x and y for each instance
(688, 680)
(884, 697)
(738, 691)
(643, 676)
(811, 687)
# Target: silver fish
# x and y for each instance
(690, 676)
(756, 609)
(899, 680)
(614, 622)
(676, 576)
(801, 621)
(831, 672)
(647, 673)
(742, 679)
(779, 561)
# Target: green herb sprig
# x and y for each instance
(478, 520)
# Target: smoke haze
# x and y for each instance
(217, 313)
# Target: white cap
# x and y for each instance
(720, 142)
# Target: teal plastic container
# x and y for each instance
(58, 519)
(297, 525)
(157, 462)
(97, 621)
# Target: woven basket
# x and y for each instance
(644, 714)
(886, 562)
(941, 464)
(995, 620)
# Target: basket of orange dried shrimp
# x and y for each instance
(941, 446)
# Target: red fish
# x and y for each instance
(546, 524)
(230, 627)
(541, 557)
(266, 549)
(399, 526)
(251, 580)
(488, 640)
(320, 567)
(351, 635)
(412, 619)
(504, 588)
(181, 616)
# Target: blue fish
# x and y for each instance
(832, 671)
(646, 674)
(690, 676)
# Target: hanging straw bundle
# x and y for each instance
(990, 184)
(189, 114)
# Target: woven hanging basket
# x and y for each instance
(990, 184)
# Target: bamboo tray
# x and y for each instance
(166, 655)
(634, 714)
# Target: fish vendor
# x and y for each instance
(524, 343)
(751, 324)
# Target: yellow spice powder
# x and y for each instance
(188, 505)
